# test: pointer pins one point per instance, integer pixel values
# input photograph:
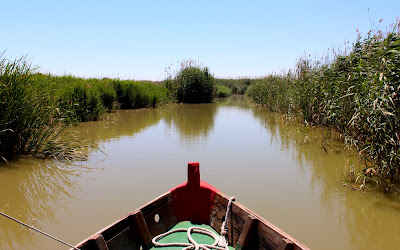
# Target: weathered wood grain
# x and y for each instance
(248, 230)
(262, 234)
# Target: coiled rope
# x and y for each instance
(220, 242)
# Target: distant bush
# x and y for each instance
(192, 84)
(222, 91)
(237, 86)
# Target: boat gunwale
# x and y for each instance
(225, 199)
(268, 224)
(109, 226)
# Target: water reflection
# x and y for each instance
(236, 101)
(356, 220)
(372, 218)
(119, 123)
(32, 191)
(192, 121)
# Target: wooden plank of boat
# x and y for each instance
(195, 201)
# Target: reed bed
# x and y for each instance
(35, 108)
(237, 86)
(134, 94)
(81, 100)
(222, 91)
(355, 92)
(30, 123)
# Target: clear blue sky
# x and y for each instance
(139, 39)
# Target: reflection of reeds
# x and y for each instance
(37, 189)
(192, 121)
(356, 93)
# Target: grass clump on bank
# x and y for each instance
(30, 123)
(356, 93)
(192, 84)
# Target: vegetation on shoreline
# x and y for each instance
(35, 109)
(192, 83)
(30, 123)
(222, 91)
(236, 86)
(82, 99)
(356, 93)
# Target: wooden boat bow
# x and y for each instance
(198, 202)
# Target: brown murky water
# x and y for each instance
(280, 172)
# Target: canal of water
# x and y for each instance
(287, 173)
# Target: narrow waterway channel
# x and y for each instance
(281, 172)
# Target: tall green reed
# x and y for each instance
(29, 121)
(134, 94)
(356, 92)
(82, 99)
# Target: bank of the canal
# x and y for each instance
(279, 171)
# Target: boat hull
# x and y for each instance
(198, 202)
